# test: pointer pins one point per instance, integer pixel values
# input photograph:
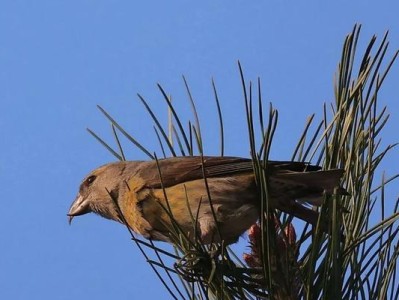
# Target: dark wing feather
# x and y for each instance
(181, 169)
(177, 170)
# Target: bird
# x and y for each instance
(210, 198)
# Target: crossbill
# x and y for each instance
(146, 195)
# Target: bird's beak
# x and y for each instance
(78, 207)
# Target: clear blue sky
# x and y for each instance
(58, 59)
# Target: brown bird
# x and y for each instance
(145, 194)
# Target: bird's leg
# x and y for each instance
(209, 235)
(216, 250)
(208, 229)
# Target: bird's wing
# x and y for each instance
(172, 171)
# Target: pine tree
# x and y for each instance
(357, 259)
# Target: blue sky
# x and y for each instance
(59, 59)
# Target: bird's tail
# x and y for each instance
(326, 180)
(310, 187)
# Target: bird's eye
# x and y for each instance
(90, 180)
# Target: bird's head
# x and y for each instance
(99, 193)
